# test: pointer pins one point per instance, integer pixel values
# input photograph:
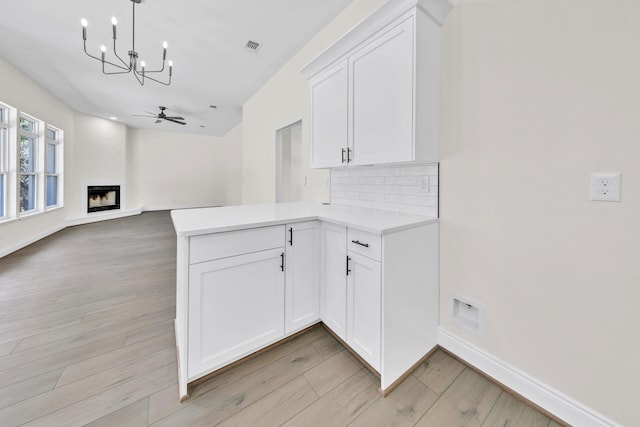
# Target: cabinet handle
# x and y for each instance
(282, 261)
(358, 242)
(348, 269)
(349, 159)
(343, 152)
(290, 236)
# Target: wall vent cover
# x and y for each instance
(252, 46)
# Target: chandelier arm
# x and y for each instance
(135, 73)
(114, 72)
(156, 71)
(115, 52)
(126, 70)
(88, 54)
(151, 78)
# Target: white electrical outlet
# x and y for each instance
(605, 187)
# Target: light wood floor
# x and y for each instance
(86, 338)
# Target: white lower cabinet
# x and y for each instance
(333, 279)
(379, 294)
(302, 275)
(236, 306)
(351, 292)
(363, 308)
(241, 291)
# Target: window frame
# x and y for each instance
(4, 162)
(58, 165)
(37, 163)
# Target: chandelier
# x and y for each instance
(133, 66)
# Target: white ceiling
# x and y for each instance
(43, 39)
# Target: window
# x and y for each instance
(31, 165)
(4, 147)
(52, 169)
(28, 169)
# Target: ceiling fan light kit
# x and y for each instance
(140, 73)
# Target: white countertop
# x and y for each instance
(193, 222)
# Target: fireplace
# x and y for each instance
(103, 198)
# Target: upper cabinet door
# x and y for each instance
(329, 116)
(382, 97)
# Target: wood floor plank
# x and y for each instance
(25, 389)
(87, 333)
(276, 407)
(141, 349)
(61, 397)
(8, 347)
(511, 412)
(134, 415)
(439, 371)
(403, 407)
(55, 361)
(342, 405)
(165, 402)
(328, 346)
(218, 404)
(330, 373)
(110, 400)
(466, 403)
(155, 329)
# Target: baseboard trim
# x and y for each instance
(26, 242)
(540, 394)
(101, 217)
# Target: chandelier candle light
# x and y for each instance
(132, 67)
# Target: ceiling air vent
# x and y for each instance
(252, 46)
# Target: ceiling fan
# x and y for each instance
(162, 116)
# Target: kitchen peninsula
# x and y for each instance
(250, 276)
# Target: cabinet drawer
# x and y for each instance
(222, 245)
(364, 243)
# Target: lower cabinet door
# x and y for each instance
(333, 281)
(236, 306)
(364, 308)
(302, 275)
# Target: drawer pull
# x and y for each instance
(358, 242)
(282, 261)
(348, 269)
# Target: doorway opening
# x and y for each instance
(289, 174)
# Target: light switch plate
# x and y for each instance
(605, 187)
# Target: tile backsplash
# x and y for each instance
(411, 189)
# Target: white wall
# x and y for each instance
(100, 159)
(283, 100)
(176, 170)
(537, 94)
(20, 92)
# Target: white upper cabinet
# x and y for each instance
(329, 117)
(381, 76)
(374, 94)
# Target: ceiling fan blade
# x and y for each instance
(158, 121)
(142, 115)
(174, 117)
(174, 121)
